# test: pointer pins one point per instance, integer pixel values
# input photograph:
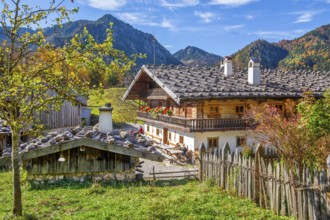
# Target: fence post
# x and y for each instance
(153, 173)
(201, 152)
(257, 171)
(328, 191)
(224, 156)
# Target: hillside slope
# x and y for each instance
(269, 54)
(194, 56)
(311, 51)
(126, 38)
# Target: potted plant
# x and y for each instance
(169, 112)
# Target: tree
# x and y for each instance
(30, 68)
(302, 138)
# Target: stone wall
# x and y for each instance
(82, 177)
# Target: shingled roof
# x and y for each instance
(192, 83)
(132, 144)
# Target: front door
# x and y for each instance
(165, 136)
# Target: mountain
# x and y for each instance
(126, 38)
(269, 54)
(194, 56)
(311, 51)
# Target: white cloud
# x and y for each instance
(178, 3)
(305, 16)
(144, 19)
(279, 34)
(250, 17)
(232, 3)
(168, 46)
(206, 17)
(105, 4)
(167, 24)
(232, 27)
(137, 18)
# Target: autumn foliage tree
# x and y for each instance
(301, 136)
(30, 67)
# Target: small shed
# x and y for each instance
(80, 159)
(100, 154)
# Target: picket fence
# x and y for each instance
(302, 193)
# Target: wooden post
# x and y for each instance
(153, 173)
(328, 190)
(257, 185)
(224, 156)
(201, 152)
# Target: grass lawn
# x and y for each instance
(122, 111)
(162, 200)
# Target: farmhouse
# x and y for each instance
(191, 105)
(83, 153)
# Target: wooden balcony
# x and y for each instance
(195, 125)
(156, 93)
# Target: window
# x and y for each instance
(170, 136)
(181, 139)
(241, 141)
(160, 103)
(212, 142)
(148, 128)
(279, 107)
(157, 131)
(214, 109)
(239, 109)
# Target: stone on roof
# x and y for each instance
(191, 83)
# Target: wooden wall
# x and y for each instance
(76, 161)
(227, 108)
(4, 140)
(68, 116)
(221, 108)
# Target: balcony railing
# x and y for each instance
(198, 124)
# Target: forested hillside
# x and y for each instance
(269, 54)
(311, 51)
(193, 56)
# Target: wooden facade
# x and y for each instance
(208, 115)
(68, 116)
(4, 141)
(81, 162)
(81, 159)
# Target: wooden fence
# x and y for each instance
(170, 175)
(302, 193)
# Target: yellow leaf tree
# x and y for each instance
(30, 68)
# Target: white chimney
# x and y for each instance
(254, 72)
(228, 70)
(105, 119)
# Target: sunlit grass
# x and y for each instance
(122, 111)
(140, 200)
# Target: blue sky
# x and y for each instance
(217, 26)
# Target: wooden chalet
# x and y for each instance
(206, 104)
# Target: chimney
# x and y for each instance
(105, 119)
(228, 70)
(254, 71)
